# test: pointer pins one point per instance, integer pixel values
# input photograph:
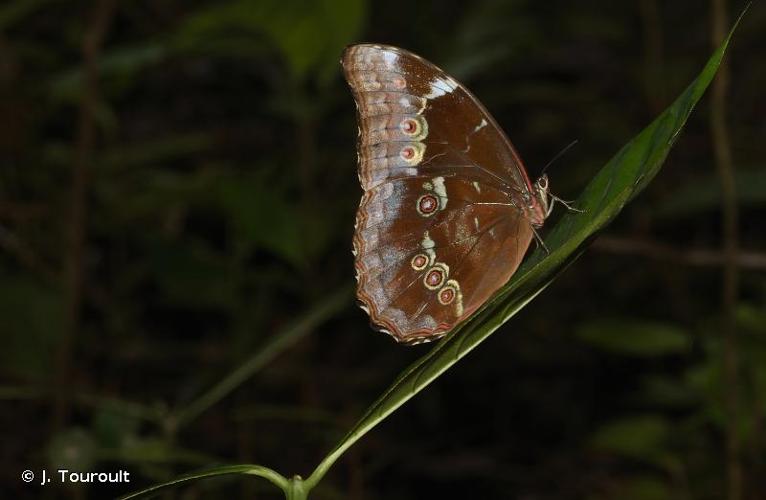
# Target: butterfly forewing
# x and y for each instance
(443, 221)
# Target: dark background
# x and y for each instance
(178, 188)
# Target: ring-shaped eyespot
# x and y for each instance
(419, 262)
(446, 295)
(414, 127)
(427, 205)
(399, 82)
(410, 126)
(412, 153)
(436, 276)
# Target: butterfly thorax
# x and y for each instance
(535, 204)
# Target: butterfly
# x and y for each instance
(448, 210)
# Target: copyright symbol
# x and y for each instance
(27, 476)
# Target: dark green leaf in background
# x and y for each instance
(640, 437)
(32, 316)
(634, 337)
(309, 35)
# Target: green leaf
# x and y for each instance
(752, 317)
(123, 63)
(642, 487)
(255, 470)
(130, 157)
(623, 177)
(705, 378)
(263, 217)
(640, 437)
(668, 392)
(112, 428)
(278, 343)
(13, 12)
(152, 450)
(191, 275)
(308, 35)
(73, 449)
(634, 337)
(32, 318)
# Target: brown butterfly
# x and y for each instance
(448, 210)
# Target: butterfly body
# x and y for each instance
(448, 210)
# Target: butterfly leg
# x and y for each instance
(567, 204)
(539, 240)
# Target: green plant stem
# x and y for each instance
(296, 489)
(255, 470)
(426, 370)
(276, 345)
(269, 474)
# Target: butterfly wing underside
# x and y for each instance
(441, 225)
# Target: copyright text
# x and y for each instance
(65, 476)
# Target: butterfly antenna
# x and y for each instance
(559, 155)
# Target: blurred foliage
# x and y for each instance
(220, 207)
(32, 316)
(633, 336)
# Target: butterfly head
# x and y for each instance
(541, 207)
